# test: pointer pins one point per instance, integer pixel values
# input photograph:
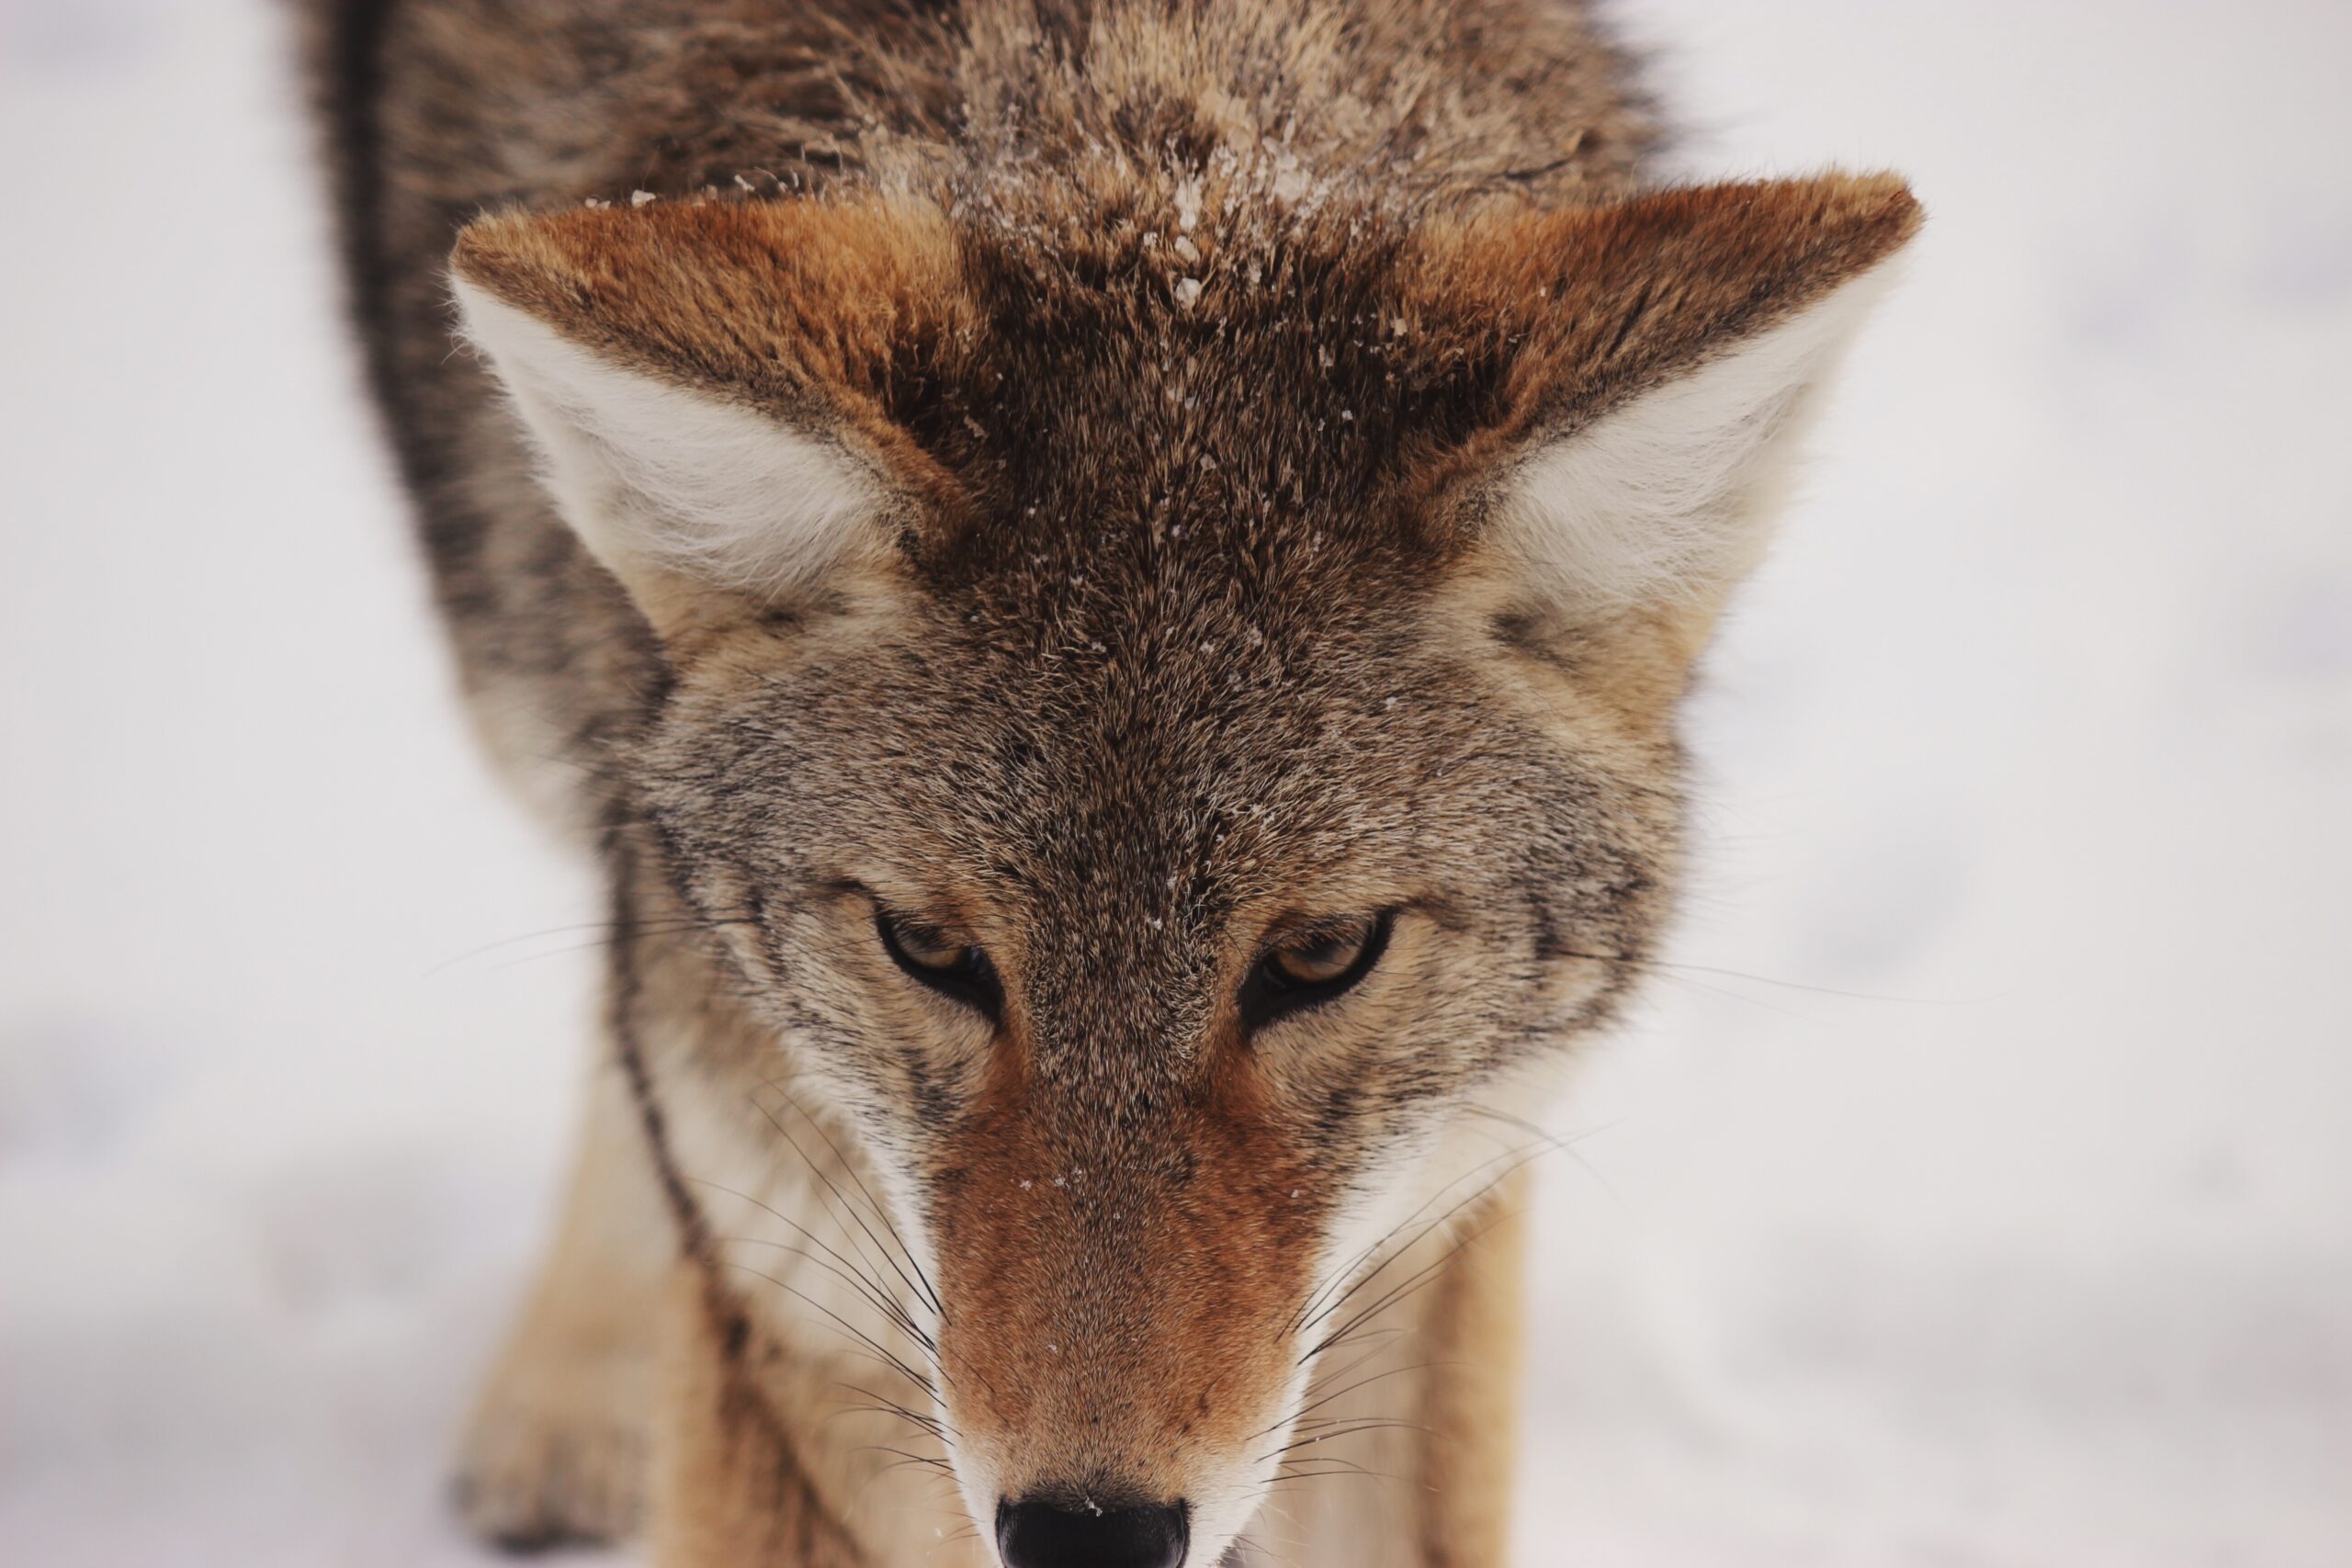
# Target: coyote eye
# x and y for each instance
(953, 969)
(1313, 968)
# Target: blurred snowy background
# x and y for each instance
(1981, 1193)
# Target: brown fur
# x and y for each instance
(881, 321)
(1219, 1191)
(1194, 347)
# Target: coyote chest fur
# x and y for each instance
(1109, 582)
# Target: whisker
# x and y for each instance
(1555, 1144)
(892, 1307)
(905, 1459)
(1349, 1430)
(1330, 1467)
(1419, 1280)
(866, 1288)
(930, 1423)
(921, 1281)
(1511, 1160)
(843, 1326)
(838, 1198)
(1366, 1383)
(1340, 1275)
(611, 937)
(1363, 1361)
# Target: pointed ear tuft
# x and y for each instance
(707, 383)
(1662, 350)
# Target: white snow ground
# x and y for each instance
(1983, 1195)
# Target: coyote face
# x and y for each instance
(1164, 756)
(1155, 940)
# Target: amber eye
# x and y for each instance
(1313, 967)
(1325, 956)
(929, 956)
(927, 949)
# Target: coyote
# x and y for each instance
(1108, 582)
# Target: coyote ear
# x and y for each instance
(1662, 374)
(702, 382)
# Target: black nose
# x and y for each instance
(1038, 1534)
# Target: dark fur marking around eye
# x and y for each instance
(1272, 992)
(967, 977)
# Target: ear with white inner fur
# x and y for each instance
(708, 383)
(679, 492)
(1671, 495)
(1656, 357)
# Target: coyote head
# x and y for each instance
(1174, 712)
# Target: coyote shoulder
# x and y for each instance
(1108, 582)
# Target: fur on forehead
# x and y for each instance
(1391, 381)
